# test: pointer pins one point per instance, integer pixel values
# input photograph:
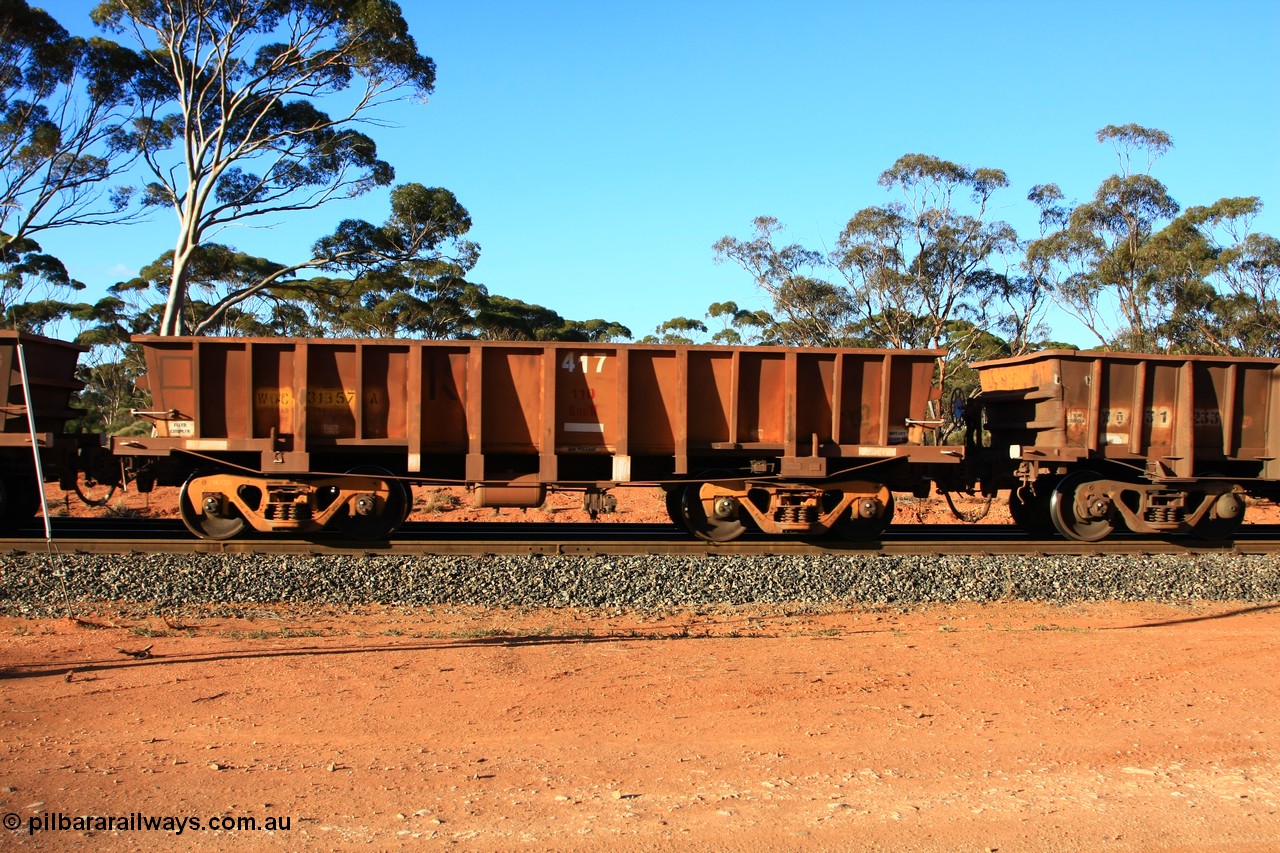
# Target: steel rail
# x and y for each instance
(650, 540)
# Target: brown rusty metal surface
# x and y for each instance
(501, 411)
(52, 367)
(1182, 414)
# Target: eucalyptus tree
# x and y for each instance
(232, 292)
(421, 299)
(1099, 264)
(1141, 273)
(33, 287)
(503, 318)
(921, 269)
(808, 309)
(677, 331)
(1226, 298)
(213, 272)
(1249, 308)
(235, 131)
(596, 331)
(740, 325)
(63, 103)
(733, 326)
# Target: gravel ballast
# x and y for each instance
(45, 585)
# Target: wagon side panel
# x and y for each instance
(51, 366)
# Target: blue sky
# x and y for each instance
(602, 148)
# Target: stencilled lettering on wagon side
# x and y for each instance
(586, 362)
(317, 398)
(331, 398)
(1077, 425)
(1206, 417)
(1116, 423)
(273, 398)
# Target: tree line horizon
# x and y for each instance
(222, 113)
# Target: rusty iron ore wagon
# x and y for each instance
(299, 436)
(304, 435)
(1152, 443)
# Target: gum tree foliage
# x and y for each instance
(32, 287)
(423, 299)
(110, 395)
(1142, 274)
(1246, 306)
(677, 330)
(1016, 302)
(1099, 264)
(63, 100)
(924, 270)
(110, 369)
(433, 301)
(1224, 281)
(234, 133)
(233, 293)
(502, 318)
(740, 326)
(920, 270)
(214, 272)
(809, 310)
(737, 326)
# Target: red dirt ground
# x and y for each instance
(1012, 727)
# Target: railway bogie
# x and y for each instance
(362, 504)
(723, 510)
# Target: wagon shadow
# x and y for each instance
(674, 632)
(86, 668)
(1188, 620)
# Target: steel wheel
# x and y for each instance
(711, 514)
(1063, 509)
(384, 517)
(675, 511)
(859, 525)
(212, 519)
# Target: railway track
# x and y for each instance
(111, 536)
